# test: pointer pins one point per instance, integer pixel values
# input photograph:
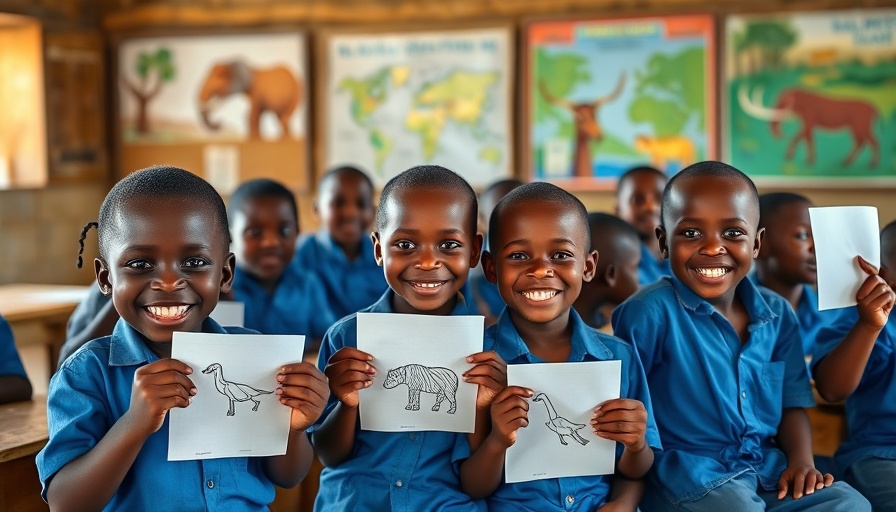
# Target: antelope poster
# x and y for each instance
(603, 95)
(810, 98)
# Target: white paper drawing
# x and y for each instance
(229, 312)
(419, 361)
(559, 441)
(236, 378)
(840, 234)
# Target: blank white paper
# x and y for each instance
(841, 233)
(235, 412)
(419, 361)
(229, 312)
(559, 440)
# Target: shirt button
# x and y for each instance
(398, 483)
(413, 437)
(570, 499)
(210, 484)
(743, 394)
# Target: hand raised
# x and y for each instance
(349, 370)
(875, 298)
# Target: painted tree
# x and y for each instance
(153, 69)
(671, 91)
(768, 39)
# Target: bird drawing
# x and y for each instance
(560, 425)
(234, 391)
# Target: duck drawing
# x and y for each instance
(560, 425)
(234, 391)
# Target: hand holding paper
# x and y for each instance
(489, 373)
(303, 388)
(349, 370)
(875, 298)
(158, 388)
(510, 412)
(622, 420)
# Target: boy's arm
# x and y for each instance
(795, 440)
(489, 373)
(838, 373)
(90, 481)
(625, 421)
(14, 388)
(625, 494)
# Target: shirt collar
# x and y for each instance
(324, 238)
(585, 340)
(127, 348)
(384, 304)
(758, 309)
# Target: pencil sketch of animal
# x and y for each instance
(234, 391)
(437, 380)
(560, 425)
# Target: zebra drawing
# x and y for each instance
(440, 381)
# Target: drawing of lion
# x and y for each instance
(440, 381)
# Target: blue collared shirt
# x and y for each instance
(871, 409)
(10, 363)
(486, 293)
(651, 269)
(297, 305)
(92, 391)
(718, 401)
(348, 285)
(398, 471)
(570, 493)
(810, 318)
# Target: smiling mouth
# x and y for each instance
(168, 313)
(712, 273)
(429, 285)
(539, 295)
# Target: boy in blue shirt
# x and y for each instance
(724, 363)
(856, 360)
(540, 257)
(340, 254)
(165, 259)
(426, 242)
(638, 197)
(279, 296)
(14, 383)
(786, 261)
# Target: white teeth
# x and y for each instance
(712, 272)
(167, 311)
(540, 295)
(429, 285)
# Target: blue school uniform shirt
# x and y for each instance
(485, 293)
(398, 471)
(297, 305)
(348, 285)
(871, 409)
(92, 390)
(810, 318)
(10, 363)
(569, 493)
(717, 402)
(650, 269)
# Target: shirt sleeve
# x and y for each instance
(789, 348)
(831, 335)
(333, 340)
(636, 388)
(640, 324)
(323, 317)
(86, 311)
(10, 363)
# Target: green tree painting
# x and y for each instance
(153, 69)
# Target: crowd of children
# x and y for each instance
(713, 347)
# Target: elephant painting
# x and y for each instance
(275, 90)
(816, 111)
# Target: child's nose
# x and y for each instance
(428, 261)
(168, 281)
(542, 271)
(712, 246)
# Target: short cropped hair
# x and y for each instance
(343, 170)
(888, 236)
(611, 226)
(710, 168)
(627, 175)
(543, 192)
(261, 187)
(770, 203)
(428, 176)
(160, 181)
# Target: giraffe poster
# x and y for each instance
(235, 379)
(419, 361)
(559, 441)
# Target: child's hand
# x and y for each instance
(489, 373)
(158, 387)
(803, 480)
(510, 412)
(349, 370)
(623, 420)
(303, 388)
(875, 298)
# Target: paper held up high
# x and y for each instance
(236, 411)
(419, 361)
(840, 234)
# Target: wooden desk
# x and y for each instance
(38, 314)
(23, 432)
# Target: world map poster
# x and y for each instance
(603, 95)
(397, 100)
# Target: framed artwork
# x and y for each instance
(396, 99)
(810, 97)
(603, 95)
(227, 106)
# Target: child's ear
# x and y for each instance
(610, 275)
(590, 266)
(757, 243)
(488, 267)
(477, 250)
(227, 273)
(315, 206)
(102, 276)
(377, 248)
(662, 241)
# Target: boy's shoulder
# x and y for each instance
(94, 352)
